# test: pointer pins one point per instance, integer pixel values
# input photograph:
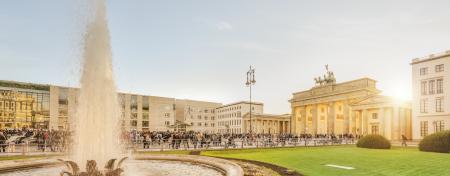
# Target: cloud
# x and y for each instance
(224, 26)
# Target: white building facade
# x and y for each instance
(198, 116)
(230, 117)
(431, 94)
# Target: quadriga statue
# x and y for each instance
(92, 170)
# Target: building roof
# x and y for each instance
(267, 115)
(430, 57)
(241, 102)
(22, 85)
(337, 84)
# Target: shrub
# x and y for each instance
(374, 142)
(437, 142)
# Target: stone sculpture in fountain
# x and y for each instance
(92, 170)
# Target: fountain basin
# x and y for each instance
(142, 165)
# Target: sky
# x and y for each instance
(202, 49)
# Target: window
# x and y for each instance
(424, 71)
(145, 104)
(423, 106)
(167, 123)
(145, 124)
(199, 124)
(375, 116)
(431, 86)
(423, 128)
(145, 116)
(375, 129)
(199, 117)
(134, 103)
(423, 87)
(440, 86)
(166, 115)
(439, 107)
(438, 126)
(440, 68)
(134, 123)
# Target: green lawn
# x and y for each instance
(174, 152)
(312, 161)
(21, 157)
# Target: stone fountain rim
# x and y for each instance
(226, 167)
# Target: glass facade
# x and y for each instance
(145, 113)
(24, 106)
(63, 108)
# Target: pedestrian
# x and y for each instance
(2, 142)
(404, 140)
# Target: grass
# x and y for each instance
(174, 152)
(22, 157)
(312, 161)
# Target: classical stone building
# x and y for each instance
(430, 76)
(355, 107)
(267, 123)
(199, 116)
(230, 116)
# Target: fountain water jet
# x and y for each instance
(97, 114)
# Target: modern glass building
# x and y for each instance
(27, 105)
(24, 105)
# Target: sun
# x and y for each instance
(400, 92)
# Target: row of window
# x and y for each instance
(203, 124)
(438, 127)
(134, 123)
(199, 117)
(21, 106)
(232, 130)
(439, 105)
(145, 115)
(230, 123)
(236, 114)
(199, 110)
(437, 69)
(432, 87)
(230, 109)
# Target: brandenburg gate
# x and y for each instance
(354, 107)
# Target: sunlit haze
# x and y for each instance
(202, 51)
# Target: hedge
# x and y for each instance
(374, 142)
(437, 142)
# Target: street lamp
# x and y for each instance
(250, 81)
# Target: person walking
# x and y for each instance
(404, 140)
(2, 142)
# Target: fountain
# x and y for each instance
(92, 170)
(96, 124)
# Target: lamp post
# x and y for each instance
(250, 81)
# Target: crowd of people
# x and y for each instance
(51, 140)
(176, 140)
(59, 140)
